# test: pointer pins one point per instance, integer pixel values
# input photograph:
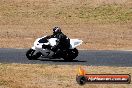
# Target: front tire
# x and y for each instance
(70, 54)
(30, 54)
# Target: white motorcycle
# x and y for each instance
(42, 48)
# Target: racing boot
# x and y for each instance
(57, 54)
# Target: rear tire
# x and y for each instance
(70, 54)
(30, 54)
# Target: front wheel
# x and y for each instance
(31, 56)
(70, 54)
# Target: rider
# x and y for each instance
(63, 42)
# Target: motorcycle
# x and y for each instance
(42, 48)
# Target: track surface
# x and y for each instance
(86, 57)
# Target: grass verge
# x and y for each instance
(49, 76)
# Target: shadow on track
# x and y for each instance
(60, 60)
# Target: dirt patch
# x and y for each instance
(95, 36)
(101, 24)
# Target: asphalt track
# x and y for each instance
(86, 57)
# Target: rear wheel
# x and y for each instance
(31, 56)
(70, 54)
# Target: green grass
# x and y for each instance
(110, 13)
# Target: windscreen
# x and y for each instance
(43, 40)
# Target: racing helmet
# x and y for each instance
(56, 30)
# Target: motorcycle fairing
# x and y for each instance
(74, 43)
